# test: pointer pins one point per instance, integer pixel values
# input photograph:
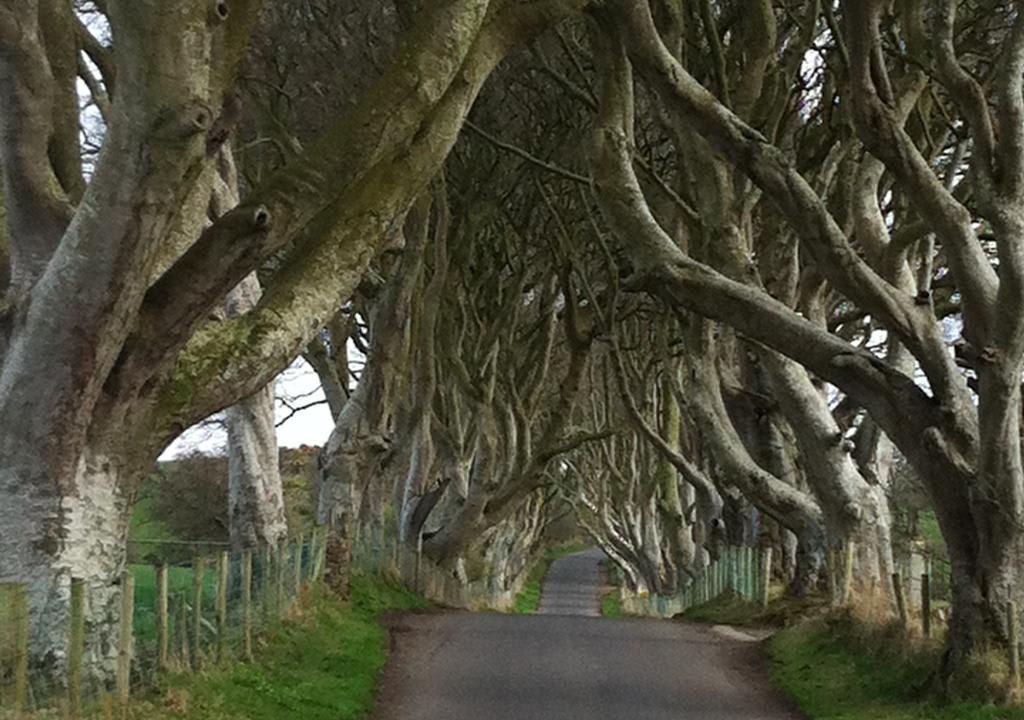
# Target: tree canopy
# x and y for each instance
(699, 269)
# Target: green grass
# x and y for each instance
(179, 579)
(322, 665)
(839, 669)
(528, 599)
(835, 677)
(611, 605)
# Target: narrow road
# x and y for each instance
(564, 664)
(572, 585)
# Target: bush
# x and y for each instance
(186, 499)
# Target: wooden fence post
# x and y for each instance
(739, 570)
(321, 559)
(279, 578)
(222, 606)
(926, 605)
(1013, 636)
(297, 566)
(752, 574)
(76, 646)
(162, 620)
(901, 598)
(310, 569)
(833, 578)
(419, 560)
(198, 569)
(731, 574)
(247, 604)
(124, 640)
(742, 551)
(181, 629)
(378, 549)
(766, 575)
(266, 565)
(848, 559)
(19, 618)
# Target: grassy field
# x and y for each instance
(179, 579)
(322, 665)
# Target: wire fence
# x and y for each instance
(920, 585)
(169, 615)
(378, 552)
(190, 606)
(739, 569)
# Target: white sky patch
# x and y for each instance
(304, 423)
(296, 386)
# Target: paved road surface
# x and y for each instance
(573, 586)
(488, 666)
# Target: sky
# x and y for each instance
(308, 427)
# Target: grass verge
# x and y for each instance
(611, 605)
(837, 668)
(731, 609)
(321, 665)
(836, 674)
(528, 599)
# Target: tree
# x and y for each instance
(967, 452)
(108, 349)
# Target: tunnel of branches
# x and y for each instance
(700, 272)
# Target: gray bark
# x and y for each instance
(85, 533)
(256, 512)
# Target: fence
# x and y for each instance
(746, 572)
(377, 552)
(742, 570)
(183, 616)
(182, 613)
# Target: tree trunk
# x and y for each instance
(855, 510)
(256, 511)
(256, 516)
(680, 550)
(56, 530)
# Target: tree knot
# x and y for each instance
(219, 11)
